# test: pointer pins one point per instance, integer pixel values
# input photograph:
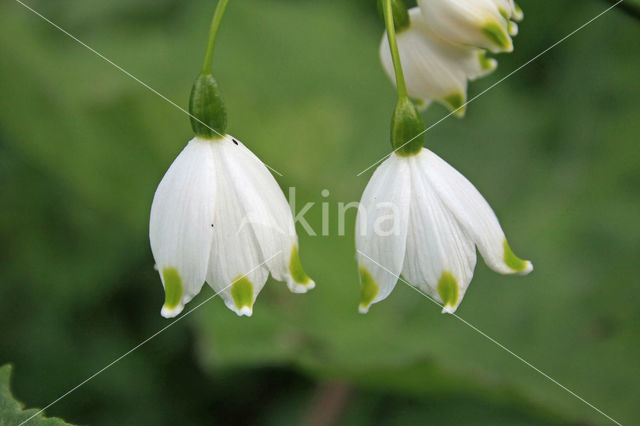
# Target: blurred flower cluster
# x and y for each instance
(443, 45)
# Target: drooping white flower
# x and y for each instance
(219, 215)
(422, 219)
(434, 68)
(476, 23)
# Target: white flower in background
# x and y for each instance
(512, 13)
(219, 215)
(476, 23)
(420, 218)
(435, 69)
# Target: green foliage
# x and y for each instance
(12, 412)
(82, 148)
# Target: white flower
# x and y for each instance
(435, 69)
(219, 215)
(421, 218)
(470, 22)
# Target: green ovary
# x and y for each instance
(172, 287)
(369, 288)
(295, 268)
(511, 260)
(448, 289)
(242, 293)
(497, 35)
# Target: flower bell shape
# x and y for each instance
(434, 68)
(422, 219)
(476, 23)
(219, 216)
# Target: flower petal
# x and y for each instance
(269, 215)
(381, 229)
(475, 23)
(440, 256)
(237, 269)
(433, 68)
(474, 215)
(180, 225)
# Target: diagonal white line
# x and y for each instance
(494, 84)
(128, 74)
(500, 345)
(140, 344)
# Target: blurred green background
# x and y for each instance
(555, 150)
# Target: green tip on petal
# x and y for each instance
(369, 289)
(497, 35)
(513, 29)
(504, 14)
(448, 291)
(300, 281)
(518, 14)
(242, 294)
(514, 262)
(172, 292)
(486, 63)
(456, 103)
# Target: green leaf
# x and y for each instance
(12, 412)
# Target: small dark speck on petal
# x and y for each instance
(235, 141)
(212, 225)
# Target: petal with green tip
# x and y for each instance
(498, 37)
(475, 23)
(514, 262)
(439, 253)
(472, 211)
(180, 224)
(235, 251)
(382, 224)
(456, 103)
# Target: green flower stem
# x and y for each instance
(213, 33)
(395, 54)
